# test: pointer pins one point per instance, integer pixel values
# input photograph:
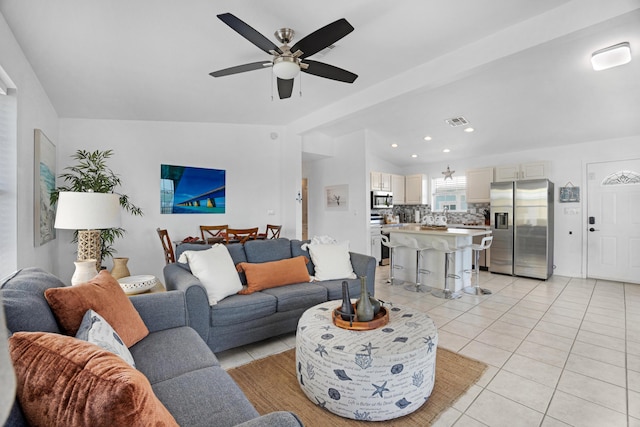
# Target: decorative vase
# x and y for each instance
(376, 305)
(85, 271)
(364, 309)
(346, 309)
(120, 268)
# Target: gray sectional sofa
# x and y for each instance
(184, 374)
(242, 319)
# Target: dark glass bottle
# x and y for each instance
(346, 309)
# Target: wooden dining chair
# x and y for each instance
(213, 233)
(272, 232)
(241, 235)
(169, 256)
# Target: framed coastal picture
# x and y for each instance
(191, 190)
(44, 183)
(337, 197)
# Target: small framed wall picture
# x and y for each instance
(569, 194)
(337, 197)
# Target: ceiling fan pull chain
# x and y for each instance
(300, 85)
(271, 78)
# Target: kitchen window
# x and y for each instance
(450, 194)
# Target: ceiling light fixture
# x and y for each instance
(427, 138)
(446, 150)
(469, 129)
(394, 145)
(286, 67)
(611, 56)
(414, 155)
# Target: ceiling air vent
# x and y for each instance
(454, 122)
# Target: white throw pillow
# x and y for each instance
(332, 261)
(98, 331)
(215, 270)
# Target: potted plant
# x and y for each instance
(91, 173)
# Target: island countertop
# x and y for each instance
(450, 232)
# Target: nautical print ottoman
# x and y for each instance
(373, 375)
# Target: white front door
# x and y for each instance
(613, 221)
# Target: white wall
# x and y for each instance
(568, 164)
(346, 166)
(256, 165)
(34, 112)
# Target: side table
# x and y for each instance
(373, 375)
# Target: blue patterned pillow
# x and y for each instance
(96, 330)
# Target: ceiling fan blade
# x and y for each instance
(248, 32)
(240, 69)
(325, 36)
(285, 88)
(327, 71)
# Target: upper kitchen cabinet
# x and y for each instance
(533, 170)
(380, 181)
(416, 190)
(479, 185)
(397, 188)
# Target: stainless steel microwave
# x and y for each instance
(381, 199)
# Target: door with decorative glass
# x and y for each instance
(613, 221)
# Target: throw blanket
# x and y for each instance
(319, 240)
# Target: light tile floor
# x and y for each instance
(561, 352)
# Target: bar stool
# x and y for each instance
(484, 245)
(442, 245)
(392, 263)
(412, 243)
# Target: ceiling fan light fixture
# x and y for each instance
(611, 56)
(286, 67)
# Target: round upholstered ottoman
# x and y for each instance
(372, 375)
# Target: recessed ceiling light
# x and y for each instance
(394, 145)
(469, 129)
(427, 138)
(446, 150)
(414, 155)
(611, 56)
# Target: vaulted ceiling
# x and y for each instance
(517, 70)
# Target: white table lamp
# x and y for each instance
(88, 213)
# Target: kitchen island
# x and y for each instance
(433, 261)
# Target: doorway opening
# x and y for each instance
(305, 211)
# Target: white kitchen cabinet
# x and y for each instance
(380, 181)
(376, 245)
(416, 190)
(479, 185)
(397, 188)
(532, 170)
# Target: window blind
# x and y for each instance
(8, 184)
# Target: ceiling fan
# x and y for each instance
(288, 61)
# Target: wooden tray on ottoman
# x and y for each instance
(380, 319)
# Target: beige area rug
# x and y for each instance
(271, 385)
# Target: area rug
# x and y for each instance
(271, 385)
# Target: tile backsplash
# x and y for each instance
(407, 213)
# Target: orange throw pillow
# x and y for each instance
(65, 381)
(103, 295)
(272, 274)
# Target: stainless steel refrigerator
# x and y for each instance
(522, 228)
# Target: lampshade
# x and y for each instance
(611, 56)
(7, 376)
(286, 67)
(87, 211)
